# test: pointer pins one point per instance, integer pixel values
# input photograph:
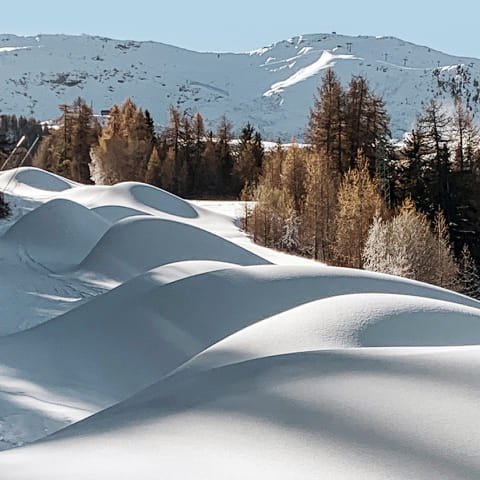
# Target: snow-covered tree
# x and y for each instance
(468, 276)
(407, 246)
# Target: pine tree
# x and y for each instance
(225, 158)
(198, 148)
(249, 158)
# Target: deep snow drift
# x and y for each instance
(165, 343)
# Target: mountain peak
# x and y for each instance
(272, 87)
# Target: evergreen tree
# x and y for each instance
(224, 154)
(249, 158)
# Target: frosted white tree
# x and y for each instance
(290, 237)
(406, 246)
(468, 277)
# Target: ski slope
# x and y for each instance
(145, 335)
(272, 87)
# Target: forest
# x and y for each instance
(349, 196)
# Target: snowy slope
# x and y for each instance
(148, 336)
(344, 415)
(271, 87)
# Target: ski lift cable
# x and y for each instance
(17, 146)
(21, 163)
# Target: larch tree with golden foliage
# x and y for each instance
(124, 147)
(358, 203)
(321, 185)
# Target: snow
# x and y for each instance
(67, 228)
(142, 333)
(49, 70)
(326, 60)
(11, 49)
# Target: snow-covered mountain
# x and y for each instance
(272, 87)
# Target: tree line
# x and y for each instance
(349, 197)
(184, 158)
(352, 198)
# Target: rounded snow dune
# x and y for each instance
(154, 323)
(135, 195)
(57, 234)
(27, 179)
(122, 341)
(114, 213)
(161, 200)
(138, 244)
(348, 321)
(89, 358)
(353, 415)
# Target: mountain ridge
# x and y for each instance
(271, 87)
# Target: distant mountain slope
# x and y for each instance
(272, 87)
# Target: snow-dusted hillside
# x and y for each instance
(272, 87)
(145, 336)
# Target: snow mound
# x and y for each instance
(93, 356)
(361, 414)
(349, 321)
(24, 179)
(138, 244)
(161, 200)
(205, 350)
(130, 337)
(230, 299)
(57, 234)
(114, 213)
(136, 196)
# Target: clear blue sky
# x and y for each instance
(242, 25)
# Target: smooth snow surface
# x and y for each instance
(145, 335)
